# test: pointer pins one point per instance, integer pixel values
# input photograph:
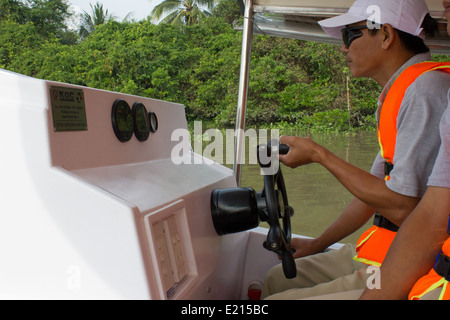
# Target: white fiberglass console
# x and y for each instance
(93, 207)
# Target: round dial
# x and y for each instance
(153, 121)
(122, 120)
(141, 121)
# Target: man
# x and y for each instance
(382, 41)
(419, 241)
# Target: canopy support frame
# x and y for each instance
(239, 143)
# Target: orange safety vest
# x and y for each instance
(373, 251)
(433, 281)
(387, 122)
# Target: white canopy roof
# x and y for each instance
(323, 6)
(298, 19)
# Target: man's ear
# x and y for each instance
(388, 35)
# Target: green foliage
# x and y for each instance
(17, 40)
(336, 119)
(292, 83)
(47, 16)
(227, 10)
(13, 10)
(307, 97)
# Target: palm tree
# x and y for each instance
(99, 16)
(182, 11)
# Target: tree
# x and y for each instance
(187, 12)
(229, 10)
(48, 16)
(99, 16)
(12, 10)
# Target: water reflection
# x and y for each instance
(316, 196)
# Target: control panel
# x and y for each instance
(169, 243)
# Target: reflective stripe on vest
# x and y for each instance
(373, 245)
(387, 121)
(432, 281)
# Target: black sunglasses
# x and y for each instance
(349, 34)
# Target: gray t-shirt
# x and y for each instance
(440, 177)
(418, 139)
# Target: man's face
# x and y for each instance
(362, 55)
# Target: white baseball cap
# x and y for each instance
(404, 15)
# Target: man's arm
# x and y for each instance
(354, 216)
(415, 247)
(363, 185)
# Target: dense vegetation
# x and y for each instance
(292, 83)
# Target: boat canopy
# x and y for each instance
(298, 19)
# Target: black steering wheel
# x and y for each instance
(277, 209)
(238, 209)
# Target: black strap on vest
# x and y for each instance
(442, 266)
(388, 168)
(382, 222)
(379, 220)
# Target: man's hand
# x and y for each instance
(304, 247)
(302, 151)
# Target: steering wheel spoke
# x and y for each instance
(280, 234)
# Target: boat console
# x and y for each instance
(102, 197)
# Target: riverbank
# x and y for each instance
(333, 122)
